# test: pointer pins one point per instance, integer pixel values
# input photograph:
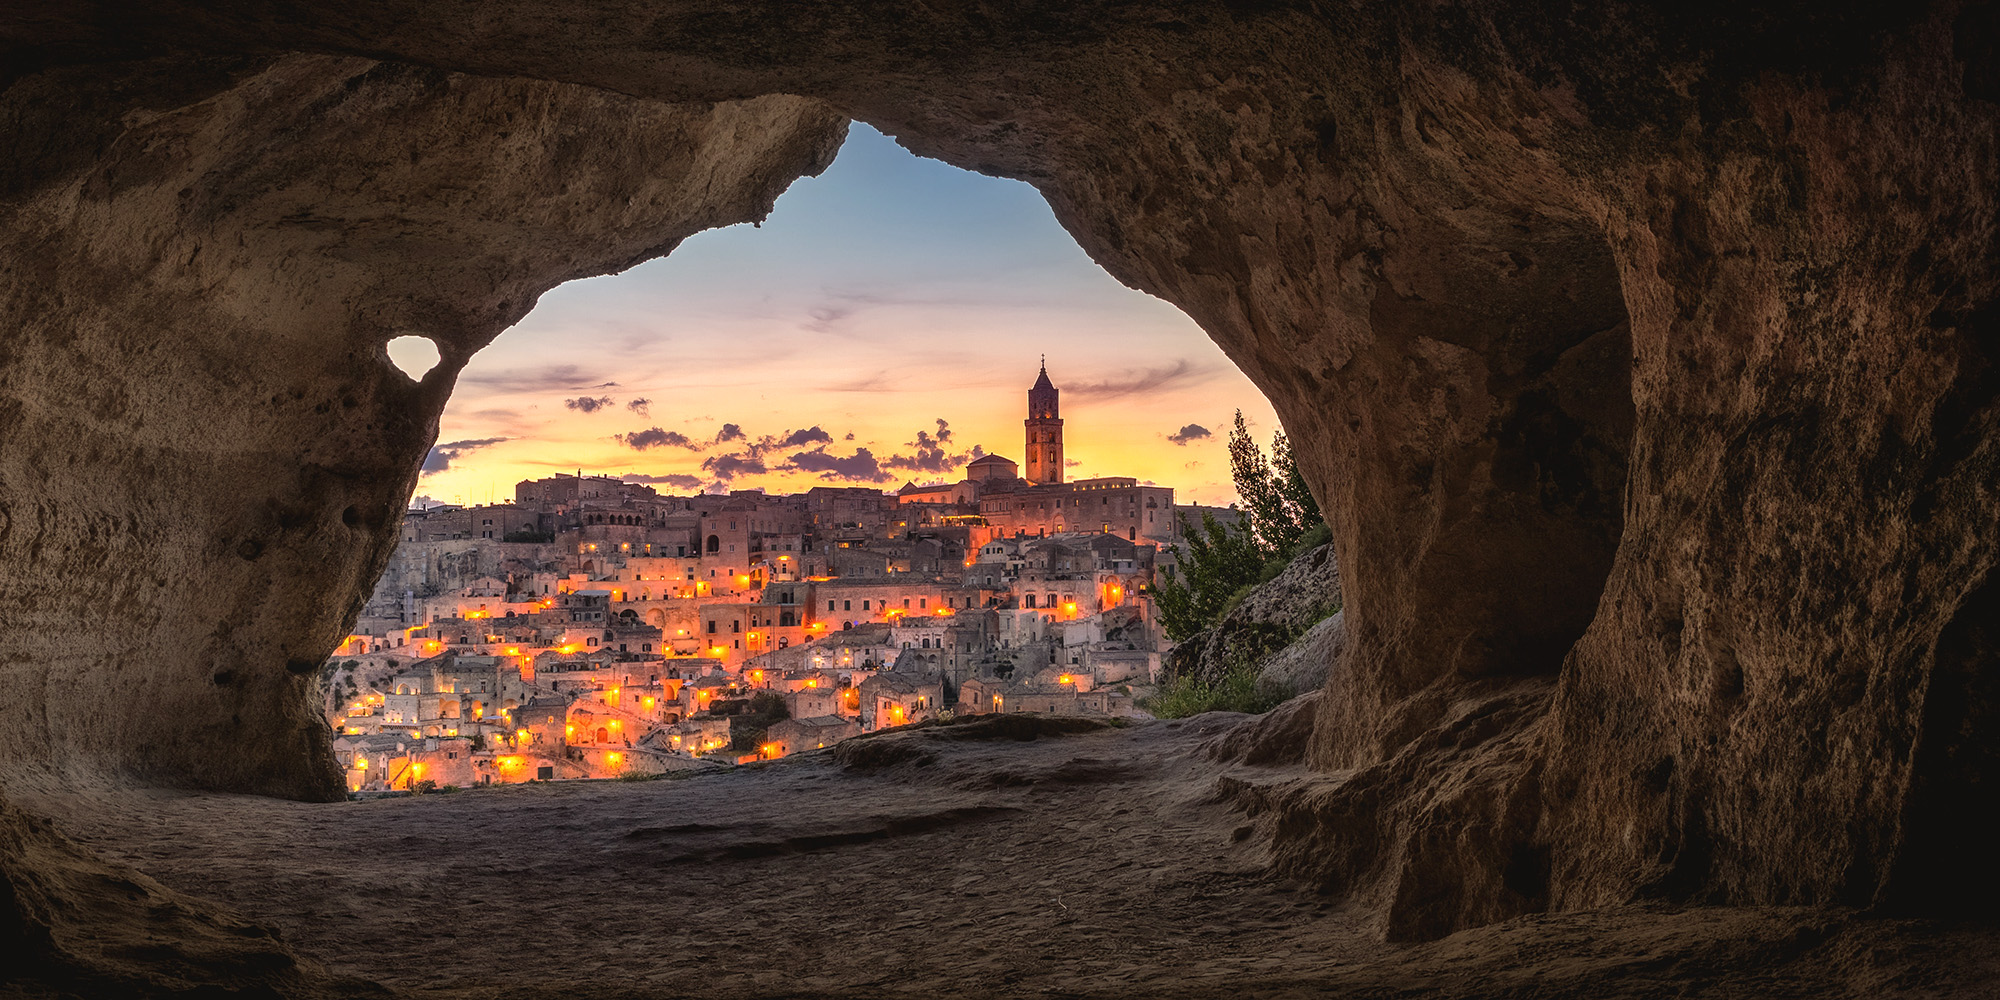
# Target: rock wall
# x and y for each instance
(1266, 622)
(1643, 358)
(206, 448)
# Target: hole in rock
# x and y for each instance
(794, 484)
(902, 441)
(413, 356)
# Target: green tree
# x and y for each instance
(1280, 506)
(1216, 562)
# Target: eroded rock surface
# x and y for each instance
(1268, 621)
(978, 861)
(1642, 356)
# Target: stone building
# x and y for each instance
(795, 735)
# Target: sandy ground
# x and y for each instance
(1100, 864)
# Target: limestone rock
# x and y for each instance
(1305, 664)
(1645, 358)
(1266, 623)
(199, 413)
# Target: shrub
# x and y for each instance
(1237, 691)
(423, 787)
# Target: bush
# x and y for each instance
(424, 787)
(1237, 691)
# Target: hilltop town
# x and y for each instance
(595, 628)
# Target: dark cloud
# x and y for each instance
(811, 435)
(733, 465)
(729, 432)
(549, 379)
(654, 437)
(443, 455)
(675, 480)
(1192, 432)
(588, 404)
(641, 406)
(1071, 463)
(1181, 372)
(861, 467)
(931, 453)
(849, 437)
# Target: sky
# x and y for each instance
(881, 327)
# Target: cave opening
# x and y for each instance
(659, 437)
(1781, 696)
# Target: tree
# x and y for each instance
(1217, 561)
(1280, 506)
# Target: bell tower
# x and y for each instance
(1045, 448)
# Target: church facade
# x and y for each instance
(1039, 502)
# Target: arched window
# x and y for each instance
(603, 735)
(714, 544)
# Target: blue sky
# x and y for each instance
(888, 294)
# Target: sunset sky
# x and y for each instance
(882, 324)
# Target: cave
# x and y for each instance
(1643, 358)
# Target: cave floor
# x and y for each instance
(1098, 864)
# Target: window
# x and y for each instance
(849, 605)
(906, 602)
(735, 625)
(864, 605)
(711, 628)
(829, 605)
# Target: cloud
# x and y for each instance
(641, 406)
(673, 479)
(1132, 382)
(878, 382)
(931, 453)
(1192, 432)
(588, 404)
(861, 466)
(733, 465)
(825, 318)
(811, 435)
(849, 437)
(729, 432)
(528, 380)
(1072, 463)
(654, 437)
(443, 455)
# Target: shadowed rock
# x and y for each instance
(1642, 357)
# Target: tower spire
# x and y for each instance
(1044, 430)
